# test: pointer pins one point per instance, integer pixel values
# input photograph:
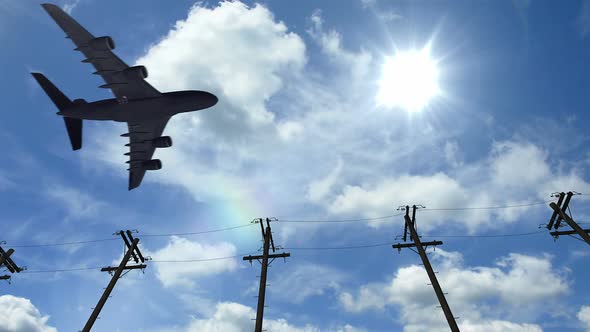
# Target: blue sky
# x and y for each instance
(298, 134)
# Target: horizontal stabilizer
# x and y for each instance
(74, 128)
(57, 97)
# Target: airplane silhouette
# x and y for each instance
(145, 109)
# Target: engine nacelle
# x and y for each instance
(162, 142)
(135, 73)
(79, 101)
(152, 165)
(105, 43)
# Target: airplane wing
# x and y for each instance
(124, 83)
(141, 148)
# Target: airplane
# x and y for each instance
(145, 109)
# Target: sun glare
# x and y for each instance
(409, 80)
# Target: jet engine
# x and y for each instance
(135, 73)
(162, 142)
(105, 43)
(79, 101)
(152, 165)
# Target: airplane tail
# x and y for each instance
(73, 126)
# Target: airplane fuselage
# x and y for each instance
(136, 110)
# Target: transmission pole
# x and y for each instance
(560, 214)
(410, 224)
(8, 263)
(132, 251)
(264, 262)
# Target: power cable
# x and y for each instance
(485, 236)
(486, 207)
(201, 232)
(62, 243)
(117, 238)
(340, 220)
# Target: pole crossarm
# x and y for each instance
(6, 277)
(409, 245)
(132, 267)
(577, 229)
(252, 258)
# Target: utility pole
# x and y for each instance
(132, 251)
(8, 263)
(410, 224)
(560, 214)
(263, 260)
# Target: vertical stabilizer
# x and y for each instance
(73, 126)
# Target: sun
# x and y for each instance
(409, 80)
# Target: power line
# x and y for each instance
(153, 261)
(485, 236)
(391, 242)
(201, 232)
(341, 248)
(286, 221)
(486, 207)
(62, 243)
(340, 220)
(62, 270)
(198, 259)
(56, 244)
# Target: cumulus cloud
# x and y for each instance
(516, 282)
(584, 317)
(235, 317)
(185, 274)
(513, 173)
(235, 50)
(20, 315)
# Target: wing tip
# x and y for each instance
(49, 6)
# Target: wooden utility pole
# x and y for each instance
(8, 263)
(410, 224)
(264, 262)
(560, 213)
(132, 250)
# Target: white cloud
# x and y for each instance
(20, 315)
(235, 317)
(518, 283)
(236, 50)
(185, 274)
(68, 7)
(513, 173)
(320, 188)
(331, 44)
(584, 317)
(289, 130)
(517, 165)
(295, 286)
(78, 204)
(368, 3)
(452, 154)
